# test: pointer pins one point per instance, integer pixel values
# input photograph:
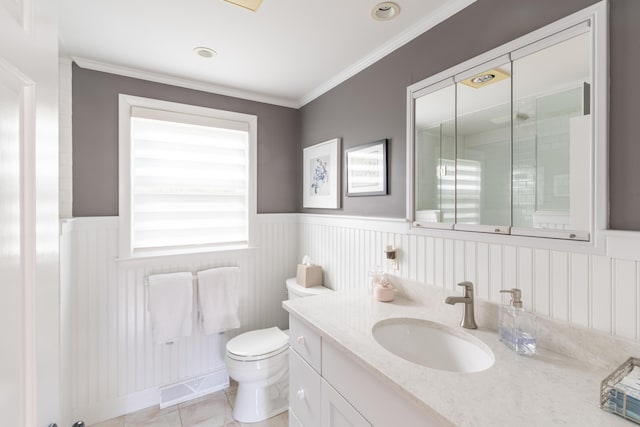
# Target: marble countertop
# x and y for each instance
(547, 389)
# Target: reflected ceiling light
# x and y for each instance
(483, 78)
(385, 11)
(252, 5)
(486, 78)
(205, 52)
(517, 117)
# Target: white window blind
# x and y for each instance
(189, 182)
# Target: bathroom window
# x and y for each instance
(187, 177)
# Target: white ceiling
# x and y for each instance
(288, 52)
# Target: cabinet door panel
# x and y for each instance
(337, 412)
(304, 391)
(381, 404)
(293, 420)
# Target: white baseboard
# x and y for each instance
(193, 388)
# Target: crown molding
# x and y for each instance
(182, 82)
(433, 19)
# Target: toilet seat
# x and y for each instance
(257, 345)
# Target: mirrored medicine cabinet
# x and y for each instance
(511, 142)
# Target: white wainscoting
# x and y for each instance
(593, 291)
(115, 368)
(113, 364)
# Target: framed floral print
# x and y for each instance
(321, 175)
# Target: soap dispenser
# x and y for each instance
(517, 327)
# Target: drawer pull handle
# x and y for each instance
(301, 394)
(301, 340)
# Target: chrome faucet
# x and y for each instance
(468, 320)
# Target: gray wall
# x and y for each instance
(372, 104)
(624, 111)
(365, 108)
(95, 140)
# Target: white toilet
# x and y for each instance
(259, 361)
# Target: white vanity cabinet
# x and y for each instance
(312, 401)
(329, 389)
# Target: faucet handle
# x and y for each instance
(468, 288)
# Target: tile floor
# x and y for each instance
(213, 410)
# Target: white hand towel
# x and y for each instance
(170, 303)
(218, 299)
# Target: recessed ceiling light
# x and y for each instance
(385, 11)
(205, 52)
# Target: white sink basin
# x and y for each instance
(433, 345)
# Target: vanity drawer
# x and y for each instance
(305, 342)
(304, 391)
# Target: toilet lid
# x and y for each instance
(258, 343)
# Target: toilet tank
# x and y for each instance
(298, 291)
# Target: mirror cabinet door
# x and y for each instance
(551, 138)
(435, 157)
(483, 169)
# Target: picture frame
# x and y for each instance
(366, 169)
(321, 175)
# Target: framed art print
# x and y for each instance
(366, 169)
(321, 175)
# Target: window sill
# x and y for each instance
(176, 255)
